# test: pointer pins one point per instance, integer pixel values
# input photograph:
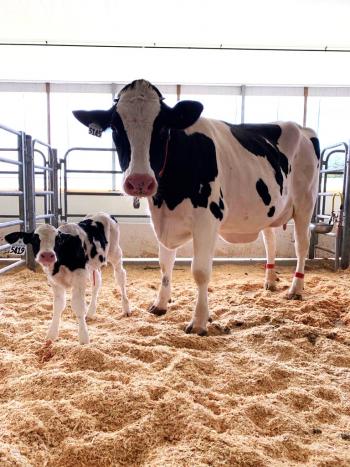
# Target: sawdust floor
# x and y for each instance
(273, 392)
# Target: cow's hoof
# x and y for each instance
(210, 319)
(294, 296)
(156, 311)
(200, 332)
(270, 286)
(91, 314)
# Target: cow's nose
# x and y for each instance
(140, 185)
(47, 257)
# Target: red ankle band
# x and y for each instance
(269, 266)
(299, 275)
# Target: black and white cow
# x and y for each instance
(72, 254)
(205, 177)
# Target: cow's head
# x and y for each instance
(140, 122)
(44, 241)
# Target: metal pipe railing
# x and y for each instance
(26, 192)
(66, 192)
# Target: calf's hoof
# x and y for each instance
(270, 286)
(294, 296)
(83, 340)
(51, 336)
(156, 311)
(91, 314)
(190, 329)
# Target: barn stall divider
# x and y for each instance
(331, 217)
(28, 174)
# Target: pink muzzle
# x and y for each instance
(140, 185)
(46, 258)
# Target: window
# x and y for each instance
(263, 105)
(222, 103)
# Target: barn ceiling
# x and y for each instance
(83, 40)
(310, 24)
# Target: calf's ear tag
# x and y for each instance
(18, 248)
(95, 130)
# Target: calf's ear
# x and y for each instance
(101, 118)
(13, 237)
(183, 114)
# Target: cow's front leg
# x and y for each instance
(269, 238)
(79, 304)
(59, 304)
(204, 237)
(166, 263)
(96, 285)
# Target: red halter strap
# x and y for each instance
(166, 154)
(269, 266)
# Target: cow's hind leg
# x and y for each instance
(269, 238)
(96, 282)
(166, 262)
(302, 239)
(204, 237)
(59, 304)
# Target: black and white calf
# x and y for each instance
(72, 254)
(207, 177)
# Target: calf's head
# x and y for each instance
(141, 122)
(44, 241)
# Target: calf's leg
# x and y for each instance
(166, 262)
(96, 282)
(120, 276)
(59, 304)
(79, 304)
(269, 238)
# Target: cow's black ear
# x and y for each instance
(13, 237)
(101, 118)
(183, 115)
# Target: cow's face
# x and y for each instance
(43, 241)
(140, 122)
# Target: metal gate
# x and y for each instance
(323, 215)
(66, 191)
(28, 174)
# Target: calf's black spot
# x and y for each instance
(70, 253)
(95, 232)
(263, 191)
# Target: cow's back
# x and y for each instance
(261, 169)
